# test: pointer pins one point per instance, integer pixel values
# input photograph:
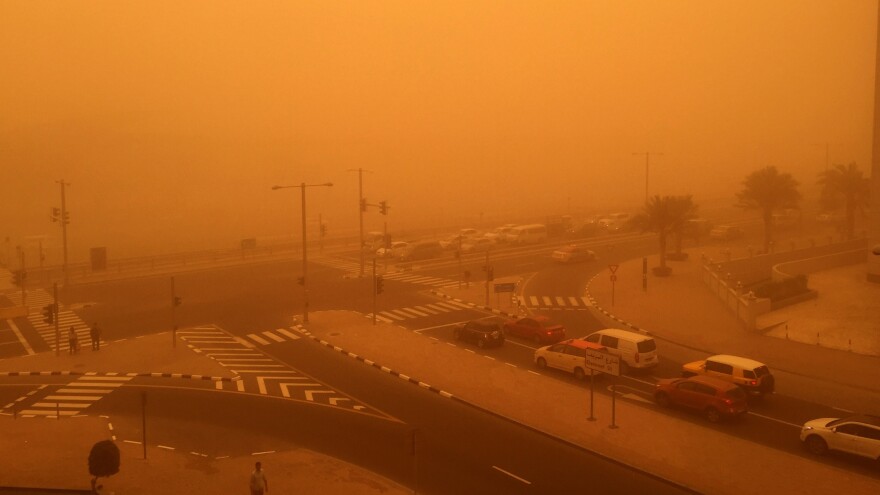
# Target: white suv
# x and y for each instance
(859, 435)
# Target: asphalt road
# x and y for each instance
(455, 446)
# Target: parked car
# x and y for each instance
(477, 245)
(480, 332)
(573, 254)
(713, 397)
(858, 434)
(535, 328)
(451, 242)
(569, 355)
(500, 234)
(421, 251)
(395, 251)
(528, 234)
(635, 350)
(754, 377)
(726, 232)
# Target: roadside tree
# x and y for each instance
(845, 184)
(767, 191)
(664, 216)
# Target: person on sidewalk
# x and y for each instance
(73, 340)
(259, 482)
(95, 333)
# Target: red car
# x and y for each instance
(715, 398)
(535, 328)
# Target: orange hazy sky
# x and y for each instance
(172, 120)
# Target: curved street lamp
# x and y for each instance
(302, 188)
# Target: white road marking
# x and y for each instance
(256, 338)
(272, 336)
(288, 334)
(512, 475)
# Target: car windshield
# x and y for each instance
(837, 422)
(647, 345)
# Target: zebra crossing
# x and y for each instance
(70, 399)
(559, 302)
(392, 315)
(258, 371)
(36, 300)
(400, 276)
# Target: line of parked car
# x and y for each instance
(717, 387)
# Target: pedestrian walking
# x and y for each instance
(259, 482)
(95, 333)
(73, 340)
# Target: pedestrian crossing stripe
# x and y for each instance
(559, 302)
(403, 276)
(72, 398)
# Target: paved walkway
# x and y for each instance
(51, 453)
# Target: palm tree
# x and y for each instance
(846, 183)
(767, 190)
(685, 209)
(664, 216)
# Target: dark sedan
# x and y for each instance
(538, 329)
(482, 333)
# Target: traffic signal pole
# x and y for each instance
(64, 221)
(55, 309)
(375, 289)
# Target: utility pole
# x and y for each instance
(375, 289)
(302, 186)
(489, 277)
(55, 309)
(65, 219)
(361, 209)
(647, 162)
(175, 302)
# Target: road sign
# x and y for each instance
(613, 268)
(614, 278)
(603, 362)
(509, 287)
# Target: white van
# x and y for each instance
(528, 234)
(634, 349)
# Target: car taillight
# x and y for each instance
(753, 383)
(728, 402)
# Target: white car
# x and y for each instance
(568, 355)
(859, 435)
(397, 248)
(479, 244)
(573, 254)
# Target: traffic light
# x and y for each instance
(363, 204)
(49, 313)
(383, 207)
(323, 230)
(176, 301)
(301, 280)
(18, 277)
(56, 214)
(380, 284)
(66, 217)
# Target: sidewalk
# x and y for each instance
(52, 453)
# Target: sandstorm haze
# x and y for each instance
(172, 120)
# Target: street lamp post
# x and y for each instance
(302, 186)
(647, 161)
